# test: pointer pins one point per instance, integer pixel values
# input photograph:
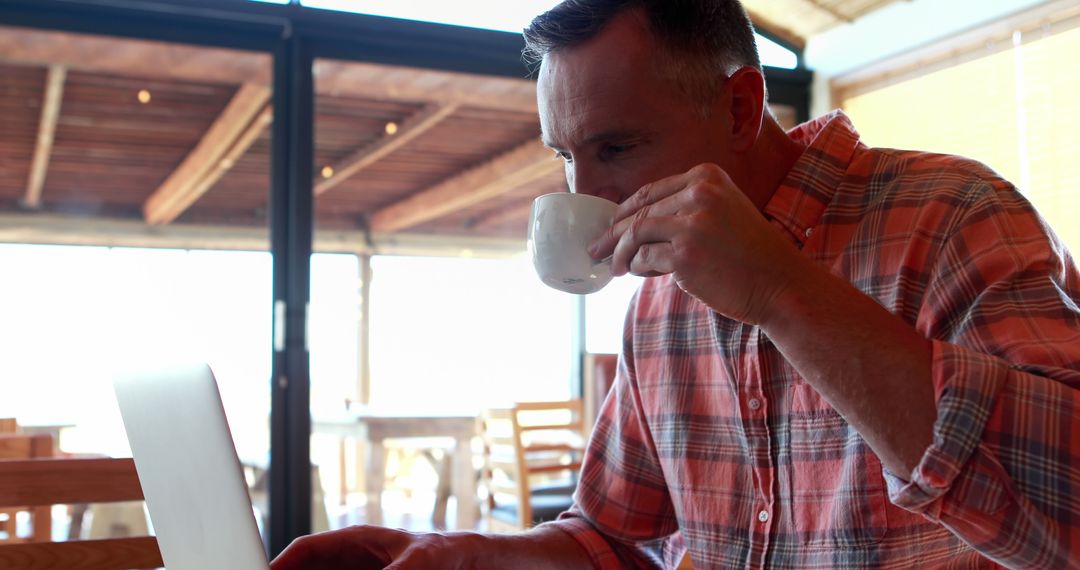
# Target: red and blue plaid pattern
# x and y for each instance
(711, 441)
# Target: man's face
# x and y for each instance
(615, 123)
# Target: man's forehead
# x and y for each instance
(599, 86)
(583, 120)
(590, 69)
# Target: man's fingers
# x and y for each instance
(667, 206)
(307, 550)
(665, 187)
(689, 191)
(416, 559)
(652, 193)
(653, 259)
(359, 547)
(646, 230)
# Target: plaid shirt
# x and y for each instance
(711, 441)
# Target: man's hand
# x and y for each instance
(701, 228)
(363, 547)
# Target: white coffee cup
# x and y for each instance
(561, 227)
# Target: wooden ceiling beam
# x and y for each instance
(870, 7)
(830, 10)
(140, 58)
(244, 118)
(132, 57)
(411, 128)
(501, 216)
(50, 114)
(374, 81)
(521, 165)
(262, 121)
(789, 37)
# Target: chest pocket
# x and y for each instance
(836, 489)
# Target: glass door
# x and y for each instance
(134, 183)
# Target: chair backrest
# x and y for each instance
(528, 442)
(8, 425)
(20, 447)
(598, 378)
(45, 482)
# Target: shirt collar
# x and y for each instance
(809, 186)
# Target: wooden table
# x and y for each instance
(375, 428)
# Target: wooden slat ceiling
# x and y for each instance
(797, 20)
(198, 151)
(464, 161)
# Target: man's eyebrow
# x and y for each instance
(602, 136)
(613, 135)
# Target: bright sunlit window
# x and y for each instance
(502, 15)
(466, 334)
(605, 314)
(462, 334)
(73, 316)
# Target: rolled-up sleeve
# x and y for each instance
(1003, 471)
(623, 516)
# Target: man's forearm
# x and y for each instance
(540, 548)
(870, 365)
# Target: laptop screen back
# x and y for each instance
(190, 475)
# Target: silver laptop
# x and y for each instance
(190, 475)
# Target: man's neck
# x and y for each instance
(768, 163)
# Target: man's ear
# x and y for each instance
(745, 90)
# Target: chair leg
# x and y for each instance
(7, 526)
(78, 513)
(113, 520)
(444, 467)
(374, 478)
(42, 517)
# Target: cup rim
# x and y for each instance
(582, 196)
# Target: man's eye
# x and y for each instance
(613, 150)
(564, 156)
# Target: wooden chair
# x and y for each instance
(598, 377)
(21, 447)
(8, 425)
(532, 455)
(49, 481)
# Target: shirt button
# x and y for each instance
(763, 516)
(754, 403)
(809, 231)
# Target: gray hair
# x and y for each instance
(704, 41)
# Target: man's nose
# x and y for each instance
(588, 179)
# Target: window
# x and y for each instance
(1013, 107)
(605, 314)
(453, 334)
(92, 311)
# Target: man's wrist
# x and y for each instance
(544, 547)
(801, 288)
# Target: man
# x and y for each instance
(849, 357)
